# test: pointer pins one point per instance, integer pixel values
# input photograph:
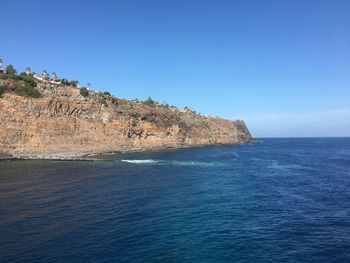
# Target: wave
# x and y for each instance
(190, 163)
(276, 165)
(173, 162)
(140, 161)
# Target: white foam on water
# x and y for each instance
(140, 161)
(191, 163)
(173, 162)
(276, 165)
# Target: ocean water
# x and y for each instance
(280, 200)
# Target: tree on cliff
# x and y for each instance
(150, 101)
(74, 83)
(84, 92)
(27, 70)
(11, 70)
(65, 82)
(1, 62)
(54, 76)
(45, 74)
(187, 109)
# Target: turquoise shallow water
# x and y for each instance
(281, 200)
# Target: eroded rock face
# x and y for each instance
(62, 123)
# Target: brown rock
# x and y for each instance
(63, 124)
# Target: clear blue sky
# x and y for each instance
(282, 66)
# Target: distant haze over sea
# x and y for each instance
(327, 123)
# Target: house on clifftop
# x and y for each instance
(2, 70)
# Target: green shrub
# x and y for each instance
(28, 79)
(150, 101)
(2, 90)
(190, 110)
(103, 101)
(106, 93)
(3, 76)
(84, 92)
(165, 104)
(28, 91)
(7, 76)
(102, 98)
(74, 83)
(11, 70)
(65, 82)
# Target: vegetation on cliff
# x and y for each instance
(84, 92)
(23, 84)
(2, 90)
(11, 70)
(79, 120)
(63, 121)
(27, 82)
(150, 102)
(28, 91)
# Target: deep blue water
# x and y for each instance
(281, 200)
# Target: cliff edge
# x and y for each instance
(62, 123)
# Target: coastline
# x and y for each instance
(79, 156)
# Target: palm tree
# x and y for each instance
(1, 62)
(45, 74)
(54, 76)
(74, 83)
(11, 70)
(27, 70)
(64, 81)
(88, 85)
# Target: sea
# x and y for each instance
(277, 200)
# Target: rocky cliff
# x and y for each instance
(64, 124)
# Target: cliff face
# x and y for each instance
(63, 123)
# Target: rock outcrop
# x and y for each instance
(64, 124)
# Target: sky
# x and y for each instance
(281, 66)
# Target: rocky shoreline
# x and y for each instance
(76, 156)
